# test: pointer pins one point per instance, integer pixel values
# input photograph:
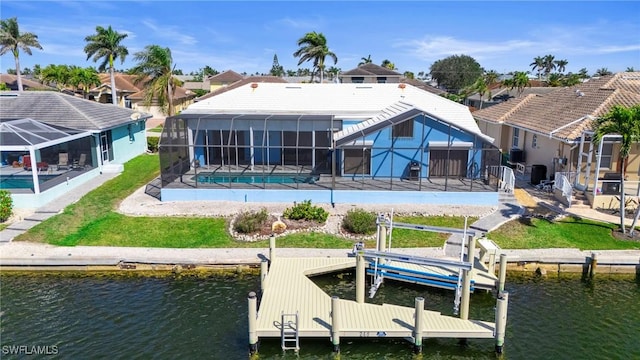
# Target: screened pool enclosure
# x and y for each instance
(407, 150)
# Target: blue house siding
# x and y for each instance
(391, 157)
(128, 141)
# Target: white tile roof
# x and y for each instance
(343, 101)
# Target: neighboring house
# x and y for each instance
(131, 94)
(11, 81)
(502, 94)
(423, 86)
(550, 130)
(72, 140)
(244, 81)
(223, 79)
(337, 143)
(189, 84)
(370, 74)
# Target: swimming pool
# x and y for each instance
(21, 181)
(254, 178)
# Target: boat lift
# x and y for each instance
(382, 258)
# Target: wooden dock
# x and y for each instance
(287, 289)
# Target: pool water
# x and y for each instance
(253, 178)
(21, 181)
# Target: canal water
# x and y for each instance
(205, 317)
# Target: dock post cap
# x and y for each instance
(252, 295)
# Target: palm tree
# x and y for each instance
(583, 73)
(519, 81)
(554, 80)
(481, 87)
(630, 69)
(602, 72)
(84, 78)
(388, 64)
(155, 67)
(537, 64)
(313, 47)
(57, 75)
(561, 65)
(624, 122)
(105, 45)
(365, 60)
(12, 40)
(548, 65)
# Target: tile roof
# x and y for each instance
(370, 70)
(244, 81)
(63, 110)
(180, 93)
(565, 112)
(422, 85)
(124, 82)
(226, 77)
(355, 101)
(12, 82)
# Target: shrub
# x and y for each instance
(359, 221)
(152, 143)
(305, 211)
(6, 205)
(250, 222)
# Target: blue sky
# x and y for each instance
(244, 36)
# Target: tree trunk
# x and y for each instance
(15, 55)
(622, 199)
(169, 98)
(635, 220)
(114, 96)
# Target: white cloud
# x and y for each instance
(300, 23)
(170, 32)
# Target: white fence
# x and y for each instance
(563, 183)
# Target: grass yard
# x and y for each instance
(570, 232)
(157, 129)
(93, 221)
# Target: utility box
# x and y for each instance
(414, 170)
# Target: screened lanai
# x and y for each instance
(36, 156)
(319, 152)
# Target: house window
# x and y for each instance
(381, 80)
(534, 141)
(357, 79)
(403, 129)
(516, 138)
(605, 157)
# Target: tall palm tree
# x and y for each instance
(155, 67)
(313, 47)
(12, 40)
(602, 72)
(481, 87)
(561, 65)
(365, 60)
(630, 69)
(548, 65)
(537, 64)
(583, 73)
(624, 122)
(105, 45)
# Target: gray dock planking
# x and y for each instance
(287, 289)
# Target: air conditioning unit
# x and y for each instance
(516, 155)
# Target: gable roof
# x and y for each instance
(370, 70)
(124, 83)
(63, 110)
(225, 77)
(566, 112)
(345, 101)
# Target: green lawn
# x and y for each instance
(93, 221)
(569, 232)
(157, 129)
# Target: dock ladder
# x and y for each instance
(289, 332)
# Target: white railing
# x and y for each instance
(508, 179)
(570, 175)
(562, 183)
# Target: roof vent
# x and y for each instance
(402, 86)
(579, 93)
(254, 85)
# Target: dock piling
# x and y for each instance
(418, 325)
(501, 319)
(466, 280)
(360, 278)
(503, 272)
(264, 270)
(253, 315)
(272, 249)
(335, 324)
(594, 264)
